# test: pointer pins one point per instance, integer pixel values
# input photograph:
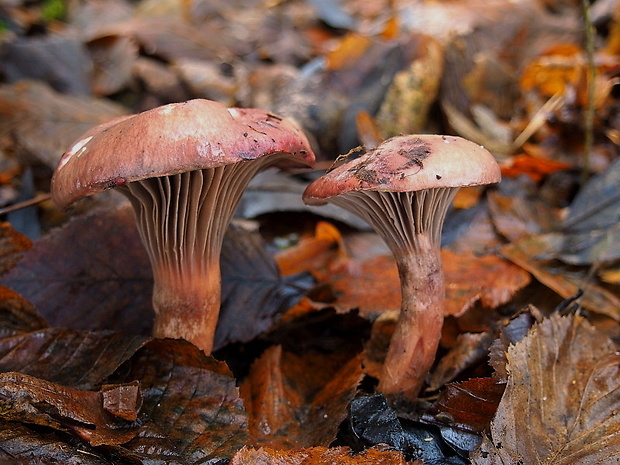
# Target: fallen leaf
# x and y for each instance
(12, 246)
(534, 167)
(43, 123)
(17, 315)
(373, 422)
(298, 401)
(490, 279)
(254, 295)
(92, 273)
(467, 406)
(564, 282)
(468, 350)
(23, 445)
(560, 401)
(191, 410)
(318, 456)
(31, 400)
(78, 359)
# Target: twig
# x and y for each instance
(25, 204)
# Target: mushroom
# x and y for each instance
(183, 167)
(403, 189)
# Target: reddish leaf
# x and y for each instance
(561, 399)
(469, 406)
(489, 279)
(298, 401)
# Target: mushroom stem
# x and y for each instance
(188, 307)
(418, 330)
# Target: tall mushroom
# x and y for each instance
(184, 167)
(403, 188)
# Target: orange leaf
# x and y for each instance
(351, 47)
(534, 167)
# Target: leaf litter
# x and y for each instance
(306, 340)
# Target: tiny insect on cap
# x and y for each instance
(409, 163)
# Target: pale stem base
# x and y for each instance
(188, 309)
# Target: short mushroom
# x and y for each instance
(184, 167)
(403, 189)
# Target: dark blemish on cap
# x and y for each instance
(438, 176)
(245, 134)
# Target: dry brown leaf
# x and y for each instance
(595, 298)
(561, 399)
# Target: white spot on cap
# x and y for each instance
(166, 109)
(78, 149)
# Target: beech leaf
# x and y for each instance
(299, 401)
(560, 401)
(32, 400)
(80, 359)
(191, 410)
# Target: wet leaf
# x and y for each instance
(17, 315)
(78, 359)
(35, 401)
(92, 273)
(317, 456)
(191, 410)
(296, 402)
(372, 421)
(254, 295)
(468, 406)
(563, 389)
(22, 445)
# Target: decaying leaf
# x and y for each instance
(191, 410)
(560, 401)
(469, 405)
(12, 247)
(595, 298)
(93, 273)
(318, 456)
(35, 401)
(78, 359)
(254, 295)
(296, 402)
(17, 314)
